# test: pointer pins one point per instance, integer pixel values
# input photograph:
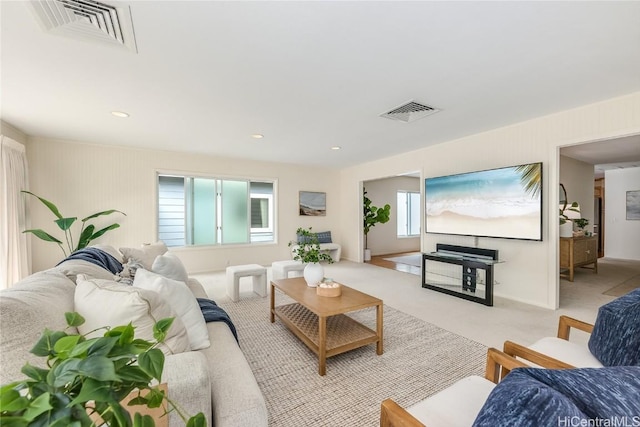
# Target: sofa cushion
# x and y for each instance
(456, 405)
(37, 302)
(189, 385)
(303, 239)
(145, 255)
(568, 351)
(324, 237)
(170, 266)
(73, 267)
(615, 339)
(181, 300)
(107, 303)
(536, 397)
(520, 400)
(603, 393)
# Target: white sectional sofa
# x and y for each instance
(216, 380)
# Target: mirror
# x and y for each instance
(563, 196)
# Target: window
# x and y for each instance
(408, 209)
(211, 211)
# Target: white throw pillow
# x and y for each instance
(182, 301)
(145, 255)
(169, 265)
(108, 303)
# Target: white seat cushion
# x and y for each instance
(566, 351)
(246, 270)
(457, 405)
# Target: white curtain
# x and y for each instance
(14, 259)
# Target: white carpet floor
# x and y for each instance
(491, 326)
(401, 293)
(419, 359)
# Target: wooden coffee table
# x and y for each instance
(320, 322)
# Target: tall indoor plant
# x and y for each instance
(372, 215)
(87, 232)
(307, 250)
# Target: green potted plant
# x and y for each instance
(87, 232)
(581, 223)
(307, 250)
(87, 379)
(372, 215)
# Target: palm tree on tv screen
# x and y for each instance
(531, 178)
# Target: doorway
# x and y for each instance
(590, 168)
(395, 236)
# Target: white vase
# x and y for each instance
(566, 229)
(367, 255)
(313, 274)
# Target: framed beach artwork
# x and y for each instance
(504, 203)
(313, 203)
(633, 204)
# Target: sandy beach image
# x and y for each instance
(524, 226)
(497, 203)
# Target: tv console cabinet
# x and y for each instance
(461, 282)
(578, 252)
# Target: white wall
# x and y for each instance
(621, 236)
(83, 179)
(383, 238)
(578, 179)
(530, 269)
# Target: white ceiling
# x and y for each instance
(310, 75)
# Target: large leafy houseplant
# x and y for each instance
(87, 232)
(307, 248)
(373, 215)
(87, 379)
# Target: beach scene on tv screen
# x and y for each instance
(503, 202)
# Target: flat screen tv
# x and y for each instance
(504, 203)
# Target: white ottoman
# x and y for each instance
(258, 275)
(281, 269)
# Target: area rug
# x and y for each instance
(415, 260)
(419, 359)
(624, 287)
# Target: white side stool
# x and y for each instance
(258, 275)
(281, 269)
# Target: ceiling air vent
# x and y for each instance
(86, 19)
(409, 112)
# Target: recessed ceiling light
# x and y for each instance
(257, 136)
(120, 114)
(336, 148)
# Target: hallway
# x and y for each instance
(386, 262)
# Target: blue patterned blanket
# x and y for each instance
(213, 313)
(98, 257)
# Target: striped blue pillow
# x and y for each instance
(615, 340)
(324, 237)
